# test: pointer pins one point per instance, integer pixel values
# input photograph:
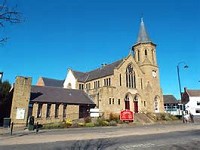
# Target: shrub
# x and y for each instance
(114, 117)
(54, 125)
(90, 124)
(68, 123)
(87, 119)
(113, 123)
(101, 122)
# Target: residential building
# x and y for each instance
(191, 100)
(172, 105)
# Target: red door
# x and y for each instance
(136, 106)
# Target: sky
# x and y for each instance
(83, 34)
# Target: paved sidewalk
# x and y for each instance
(45, 136)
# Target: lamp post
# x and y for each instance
(178, 73)
(1, 76)
(179, 82)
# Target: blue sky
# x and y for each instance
(83, 34)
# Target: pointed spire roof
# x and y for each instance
(143, 36)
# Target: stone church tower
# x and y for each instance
(145, 57)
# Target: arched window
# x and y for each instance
(127, 102)
(130, 77)
(156, 104)
(69, 86)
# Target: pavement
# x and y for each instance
(68, 134)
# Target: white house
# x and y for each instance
(191, 100)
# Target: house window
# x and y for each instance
(39, 112)
(64, 110)
(144, 103)
(110, 101)
(141, 84)
(130, 77)
(198, 111)
(56, 110)
(113, 101)
(118, 101)
(48, 110)
(198, 103)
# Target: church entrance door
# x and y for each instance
(136, 106)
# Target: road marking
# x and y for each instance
(126, 147)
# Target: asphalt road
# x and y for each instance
(176, 140)
(183, 140)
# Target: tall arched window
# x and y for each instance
(130, 77)
(156, 104)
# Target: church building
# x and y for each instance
(129, 83)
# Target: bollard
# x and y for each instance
(11, 129)
(37, 128)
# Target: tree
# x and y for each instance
(5, 102)
(8, 15)
(4, 90)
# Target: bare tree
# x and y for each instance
(8, 15)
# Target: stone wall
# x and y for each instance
(20, 100)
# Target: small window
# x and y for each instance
(39, 112)
(110, 101)
(145, 52)
(48, 110)
(118, 101)
(64, 110)
(56, 110)
(198, 111)
(198, 103)
(113, 101)
(81, 86)
(144, 103)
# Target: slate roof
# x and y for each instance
(59, 95)
(97, 73)
(170, 99)
(193, 93)
(52, 82)
(143, 36)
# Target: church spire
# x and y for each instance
(143, 36)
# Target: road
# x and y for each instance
(182, 137)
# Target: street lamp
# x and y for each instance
(1, 76)
(178, 72)
(179, 82)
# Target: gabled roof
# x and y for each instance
(143, 36)
(170, 99)
(193, 93)
(80, 76)
(59, 95)
(97, 73)
(52, 82)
